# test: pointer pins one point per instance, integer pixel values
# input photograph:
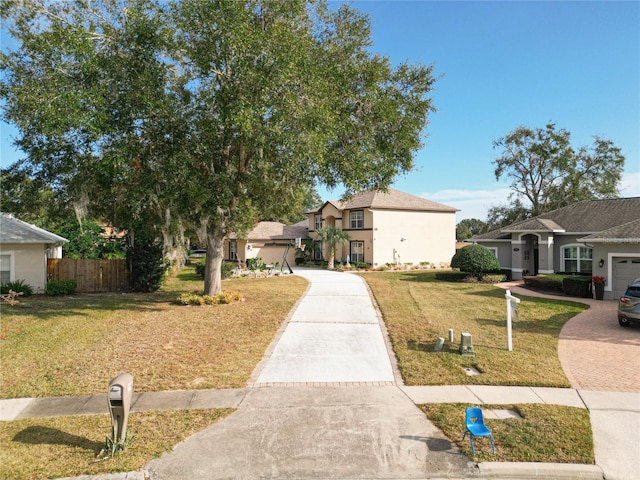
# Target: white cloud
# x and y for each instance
(630, 184)
(471, 203)
(476, 203)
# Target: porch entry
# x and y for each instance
(530, 255)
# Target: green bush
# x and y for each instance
(452, 276)
(18, 286)
(547, 284)
(147, 264)
(493, 278)
(200, 266)
(577, 286)
(226, 269)
(476, 260)
(62, 287)
(256, 264)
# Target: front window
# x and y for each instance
(357, 252)
(578, 259)
(317, 221)
(317, 250)
(233, 250)
(356, 219)
(5, 268)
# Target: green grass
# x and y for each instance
(545, 433)
(40, 448)
(74, 345)
(418, 309)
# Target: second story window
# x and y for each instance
(356, 219)
(317, 221)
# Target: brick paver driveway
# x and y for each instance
(595, 352)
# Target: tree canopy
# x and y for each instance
(547, 173)
(469, 227)
(205, 115)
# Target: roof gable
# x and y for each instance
(392, 200)
(13, 230)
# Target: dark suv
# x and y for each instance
(629, 305)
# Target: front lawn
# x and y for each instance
(74, 345)
(40, 448)
(545, 433)
(418, 308)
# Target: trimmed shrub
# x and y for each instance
(578, 286)
(493, 278)
(476, 260)
(221, 298)
(546, 284)
(452, 276)
(18, 286)
(62, 287)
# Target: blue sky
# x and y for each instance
(507, 64)
(503, 65)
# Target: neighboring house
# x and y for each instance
(267, 240)
(24, 249)
(598, 237)
(389, 227)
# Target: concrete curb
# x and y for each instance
(528, 470)
(138, 475)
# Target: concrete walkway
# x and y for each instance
(327, 402)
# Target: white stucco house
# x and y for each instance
(389, 227)
(24, 249)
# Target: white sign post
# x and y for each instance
(512, 303)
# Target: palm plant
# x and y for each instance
(332, 237)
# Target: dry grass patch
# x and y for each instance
(545, 433)
(418, 309)
(75, 345)
(40, 448)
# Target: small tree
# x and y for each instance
(333, 237)
(476, 260)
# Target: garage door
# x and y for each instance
(625, 271)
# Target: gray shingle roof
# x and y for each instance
(586, 217)
(13, 230)
(625, 233)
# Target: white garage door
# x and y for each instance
(625, 271)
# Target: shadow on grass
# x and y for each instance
(43, 307)
(36, 435)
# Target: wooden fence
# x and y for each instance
(92, 275)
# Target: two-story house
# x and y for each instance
(389, 227)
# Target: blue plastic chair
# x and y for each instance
(476, 427)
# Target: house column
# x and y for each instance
(545, 252)
(516, 257)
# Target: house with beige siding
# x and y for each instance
(270, 241)
(593, 237)
(24, 250)
(388, 227)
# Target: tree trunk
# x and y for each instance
(212, 271)
(332, 259)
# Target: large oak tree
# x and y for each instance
(546, 172)
(203, 113)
